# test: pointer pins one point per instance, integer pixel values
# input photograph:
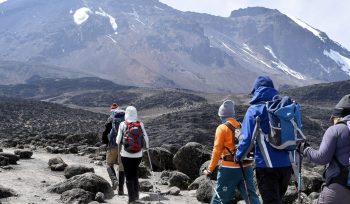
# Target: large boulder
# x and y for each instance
(196, 183)
(77, 195)
(88, 181)
(4, 161)
(204, 192)
(12, 157)
(73, 170)
(173, 148)
(143, 171)
(146, 186)
(161, 159)
(24, 154)
(179, 179)
(190, 157)
(57, 164)
(312, 181)
(6, 192)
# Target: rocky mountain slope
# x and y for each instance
(147, 43)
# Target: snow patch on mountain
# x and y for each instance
(248, 51)
(307, 27)
(81, 15)
(342, 61)
(112, 20)
(280, 65)
(2, 1)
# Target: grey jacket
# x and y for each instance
(335, 142)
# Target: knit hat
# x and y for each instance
(262, 81)
(227, 109)
(114, 106)
(342, 108)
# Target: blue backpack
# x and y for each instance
(285, 123)
(117, 118)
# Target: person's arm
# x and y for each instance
(108, 127)
(218, 148)
(247, 130)
(325, 153)
(145, 135)
(120, 133)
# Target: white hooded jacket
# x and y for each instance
(130, 116)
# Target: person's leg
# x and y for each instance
(334, 193)
(268, 184)
(285, 174)
(111, 158)
(136, 164)
(227, 181)
(253, 197)
(128, 170)
(121, 175)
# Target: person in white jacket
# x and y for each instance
(131, 159)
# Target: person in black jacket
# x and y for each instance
(113, 150)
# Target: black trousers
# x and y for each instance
(132, 180)
(273, 183)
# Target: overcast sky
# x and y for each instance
(329, 16)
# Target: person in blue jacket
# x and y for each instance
(273, 167)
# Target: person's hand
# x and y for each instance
(207, 173)
(301, 147)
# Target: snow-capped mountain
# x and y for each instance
(147, 43)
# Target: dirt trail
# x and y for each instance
(31, 178)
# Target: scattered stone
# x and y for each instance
(24, 154)
(57, 164)
(98, 163)
(145, 186)
(1, 150)
(12, 157)
(6, 192)
(174, 191)
(196, 183)
(49, 149)
(77, 195)
(204, 192)
(100, 197)
(7, 167)
(88, 181)
(143, 171)
(161, 159)
(73, 149)
(73, 170)
(179, 179)
(312, 181)
(4, 161)
(190, 157)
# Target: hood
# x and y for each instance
(263, 94)
(262, 81)
(130, 114)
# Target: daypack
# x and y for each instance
(133, 137)
(117, 118)
(285, 123)
(344, 177)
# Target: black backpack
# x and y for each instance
(117, 118)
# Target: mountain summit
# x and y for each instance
(147, 43)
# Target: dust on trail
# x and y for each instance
(30, 178)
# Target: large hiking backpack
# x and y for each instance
(117, 118)
(133, 137)
(285, 123)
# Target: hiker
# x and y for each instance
(230, 174)
(132, 135)
(113, 150)
(273, 166)
(334, 151)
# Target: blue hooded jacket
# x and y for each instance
(265, 155)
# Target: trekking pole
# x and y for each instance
(299, 178)
(216, 192)
(244, 181)
(154, 184)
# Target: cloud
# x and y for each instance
(332, 17)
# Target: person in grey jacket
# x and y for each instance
(335, 146)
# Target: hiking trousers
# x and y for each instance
(132, 180)
(334, 194)
(229, 179)
(273, 183)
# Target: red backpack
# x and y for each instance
(133, 137)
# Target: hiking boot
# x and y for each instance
(115, 184)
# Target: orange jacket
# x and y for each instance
(223, 139)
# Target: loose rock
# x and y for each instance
(6, 192)
(179, 179)
(57, 164)
(77, 195)
(24, 154)
(73, 170)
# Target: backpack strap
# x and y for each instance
(234, 139)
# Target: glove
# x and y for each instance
(207, 173)
(301, 147)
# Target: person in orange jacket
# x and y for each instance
(230, 173)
